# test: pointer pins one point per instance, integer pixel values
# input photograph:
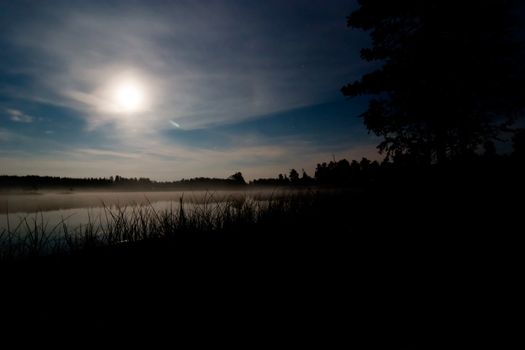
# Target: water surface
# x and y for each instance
(22, 211)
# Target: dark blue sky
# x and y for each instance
(172, 89)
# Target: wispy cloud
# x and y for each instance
(103, 152)
(163, 161)
(204, 76)
(195, 74)
(18, 116)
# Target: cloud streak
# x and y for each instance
(199, 69)
(18, 116)
(161, 162)
(215, 75)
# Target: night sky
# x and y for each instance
(178, 89)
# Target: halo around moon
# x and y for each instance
(128, 96)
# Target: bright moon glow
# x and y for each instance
(129, 97)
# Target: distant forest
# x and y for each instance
(337, 173)
(342, 173)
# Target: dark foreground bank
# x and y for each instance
(391, 264)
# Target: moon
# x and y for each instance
(129, 97)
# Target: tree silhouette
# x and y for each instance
(238, 178)
(306, 180)
(294, 177)
(450, 80)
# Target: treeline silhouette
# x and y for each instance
(34, 182)
(336, 173)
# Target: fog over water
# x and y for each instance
(79, 208)
(31, 202)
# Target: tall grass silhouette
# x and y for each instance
(236, 214)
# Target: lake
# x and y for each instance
(78, 208)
